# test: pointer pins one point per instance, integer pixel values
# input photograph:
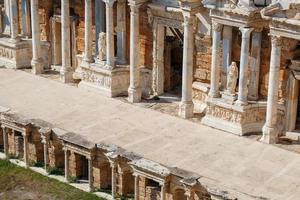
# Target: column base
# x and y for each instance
(66, 76)
(214, 94)
(241, 103)
(186, 110)
(37, 66)
(270, 135)
(134, 95)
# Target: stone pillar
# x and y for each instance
(186, 107)
(99, 21)
(46, 159)
(113, 180)
(66, 69)
(244, 64)
(270, 130)
(254, 65)
(136, 186)
(91, 177)
(227, 50)
(134, 90)
(5, 140)
(110, 39)
(88, 32)
(26, 28)
(25, 136)
(14, 21)
(163, 192)
(66, 165)
(215, 63)
(121, 32)
(36, 62)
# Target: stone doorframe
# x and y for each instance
(57, 19)
(292, 96)
(159, 31)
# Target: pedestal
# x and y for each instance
(109, 82)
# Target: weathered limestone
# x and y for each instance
(5, 140)
(134, 90)
(215, 63)
(88, 32)
(66, 71)
(25, 151)
(66, 164)
(186, 107)
(14, 25)
(113, 180)
(36, 62)
(270, 131)
(110, 41)
(136, 186)
(90, 174)
(46, 158)
(121, 32)
(244, 62)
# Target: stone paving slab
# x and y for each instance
(222, 159)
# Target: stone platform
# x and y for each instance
(243, 168)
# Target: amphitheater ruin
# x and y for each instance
(233, 65)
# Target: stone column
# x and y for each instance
(66, 69)
(189, 194)
(26, 28)
(227, 49)
(14, 25)
(136, 186)
(110, 39)
(88, 32)
(270, 130)
(121, 32)
(46, 160)
(91, 177)
(215, 62)
(163, 192)
(25, 136)
(254, 65)
(66, 165)
(99, 21)
(5, 140)
(36, 62)
(113, 180)
(186, 107)
(244, 64)
(134, 90)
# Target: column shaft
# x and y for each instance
(5, 140)
(66, 70)
(244, 64)
(270, 131)
(254, 66)
(110, 39)
(121, 32)
(134, 90)
(66, 165)
(186, 107)
(45, 154)
(88, 32)
(91, 177)
(36, 62)
(215, 63)
(227, 50)
(113, 180)
(136, 187)
(25, 136)
(163, 192)
(14, 21)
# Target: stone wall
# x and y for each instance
(55, 153)
(11, 142)
(75, 165)
(35, 147)
(125, 183)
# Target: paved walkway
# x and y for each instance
(224, 160)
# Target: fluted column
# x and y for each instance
(88, 32)
(227, 48)
(113, 180)
(121, 32)
(66, 69)
(255, 65)
(270, 129)
(215, 62)
(66, 164)
(5, 140)
(110, 39)
(186, 107)
(244, 65)
(14, 21)
(25, 136)
(136, 186)
(134, 90)
(36, 62)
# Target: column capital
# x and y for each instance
(3, 127)
(216, 26)
(44, 139)
(276, 40)
(188, 19)
(109, 3)
(246, 31)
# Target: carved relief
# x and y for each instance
(6, 53)
(102, 46)
(98, 79)
(232, 77)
